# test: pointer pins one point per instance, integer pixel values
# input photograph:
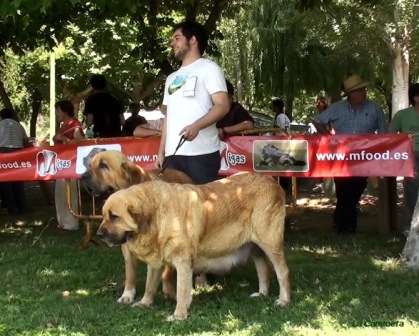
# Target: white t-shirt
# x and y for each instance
(282, 121)
(187, 95)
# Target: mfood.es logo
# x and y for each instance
(228, 158)
(48, 163)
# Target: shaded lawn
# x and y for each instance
(48, 288)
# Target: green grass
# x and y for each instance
(336, 281)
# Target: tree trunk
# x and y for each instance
(240, 91)
(6, 100)
(400, 99)
(410, 254)
(36, 105)
(336, 94)
(4, 96)
(289, 101)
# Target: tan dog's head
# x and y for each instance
(111, 171)
(126, 213)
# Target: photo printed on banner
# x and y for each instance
(280, 156)
(86, 153)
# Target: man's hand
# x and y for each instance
(220, 134)
(62, 138)
(190, 132)
(159, 161)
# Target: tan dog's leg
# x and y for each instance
(168, 285)
(263, 271)
(131, 263)
(151, 286)
(282, 273)
(184, 290)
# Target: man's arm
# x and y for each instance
(395, 125)
(219, 110)
(242, 126)
(25, 139)
(321, 129)
(142, 131)
(323, 119)
(160, 156)
(382, 125)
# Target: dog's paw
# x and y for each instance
(127, 297)
(141, 304)
(201, 281)
(170, 296)
(125, 300)
(176, 317)
(257, 294)
(282, 303)
(169, 291)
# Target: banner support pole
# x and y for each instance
(52, 119)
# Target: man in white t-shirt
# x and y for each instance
(195, 98)
(281, 119)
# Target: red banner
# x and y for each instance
(308, 156)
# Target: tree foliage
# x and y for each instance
(127, 41)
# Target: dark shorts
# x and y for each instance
(200, 168)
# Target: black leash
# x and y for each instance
(164, 165)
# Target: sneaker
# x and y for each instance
(318, 189)
(406, 233)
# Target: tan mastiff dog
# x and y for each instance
(111, 171)
(206, 228)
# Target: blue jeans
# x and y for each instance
(12, 193)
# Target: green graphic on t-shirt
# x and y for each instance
(177, 84)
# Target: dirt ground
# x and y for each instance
(312, 213)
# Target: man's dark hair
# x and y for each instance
(278, 103)
(134, 107)
(98, 82)
(6, 113)
(66, 106)
(413, 92)
(193, 28)
(230, 88)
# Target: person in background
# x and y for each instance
(354, 115)
(133, 121)
(407, 121)
(103, 111)
(321, 105)
(12, 138)
(150, 129)
(281, 120)
(237, 119)
(70, 129)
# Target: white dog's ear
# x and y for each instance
(141, 219)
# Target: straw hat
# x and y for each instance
(353, 83)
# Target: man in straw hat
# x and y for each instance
(354, 115)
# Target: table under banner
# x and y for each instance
(301, 156)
